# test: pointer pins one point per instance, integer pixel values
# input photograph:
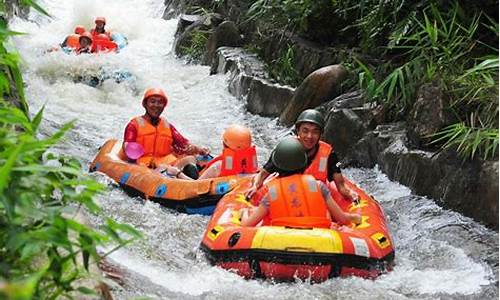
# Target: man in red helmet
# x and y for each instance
(100, 22)
(164, 147)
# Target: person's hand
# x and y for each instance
(250, 192)
(356, 219)
(170, 170)
(354, 197)
(203, 150)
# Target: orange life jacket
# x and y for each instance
(156, 141)
(296, 201)
(94, 33)
(236, 162)
(319, 166)
(73, 41)
(103, 46)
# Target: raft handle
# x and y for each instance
(235, 237)
(299, 249)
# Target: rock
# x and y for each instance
(226, 34)
(343, 129)
(248, 81)
(318, 87)
(427, 116)
(469, 187)
(184, 40)
(308, 56)
(187, 20)
(267, 99)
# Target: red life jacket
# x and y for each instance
(94, 33)
(296, 201)
(103, 46)
(236, 162)
(155, 140)
(319, 166)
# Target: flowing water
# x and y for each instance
(439, 254)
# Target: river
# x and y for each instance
(440, 254)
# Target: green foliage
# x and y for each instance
(469, 140)
(197, 45)
(38, 202)
(438, 45)
(43, 249)
(293, 14)
(283, 68)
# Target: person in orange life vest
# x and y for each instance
(102, 43)
(160, 140)
(100, 22)
(295, 199)
(85, 43)
(238, 155)
(322, 161)
(73, 40)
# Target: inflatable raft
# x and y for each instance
(189, 196)
(285, 254)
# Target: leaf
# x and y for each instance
(7, 167)
(37, 119)
(86, 291)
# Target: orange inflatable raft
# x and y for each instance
(189, 196)
(284, 254)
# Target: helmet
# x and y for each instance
(101, 37)
(79, 29)
(311, 116)
(154, 92)
(100, 19)
(289, 155)
(237, 137)
(86, 34)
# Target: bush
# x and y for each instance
(43, 250)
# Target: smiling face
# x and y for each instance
(154, 106)
(309, 134)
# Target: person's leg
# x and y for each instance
(188, 166)
(212, 171)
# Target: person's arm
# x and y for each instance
(129, 135)
(336, 212)
(335, 175)
(258, 179)
(64, 43)
(255, 217)
(338, 178)
(182, 144)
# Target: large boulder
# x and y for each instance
(225, 34)
(318, 87)
(428, 114)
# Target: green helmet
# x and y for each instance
(311, 116)
(289, 155)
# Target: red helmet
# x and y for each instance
(154, 92)
(87, 35)
(79, 29)
(101, 37)
(100, 19)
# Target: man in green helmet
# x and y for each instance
(294, 199)
(322, 161)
